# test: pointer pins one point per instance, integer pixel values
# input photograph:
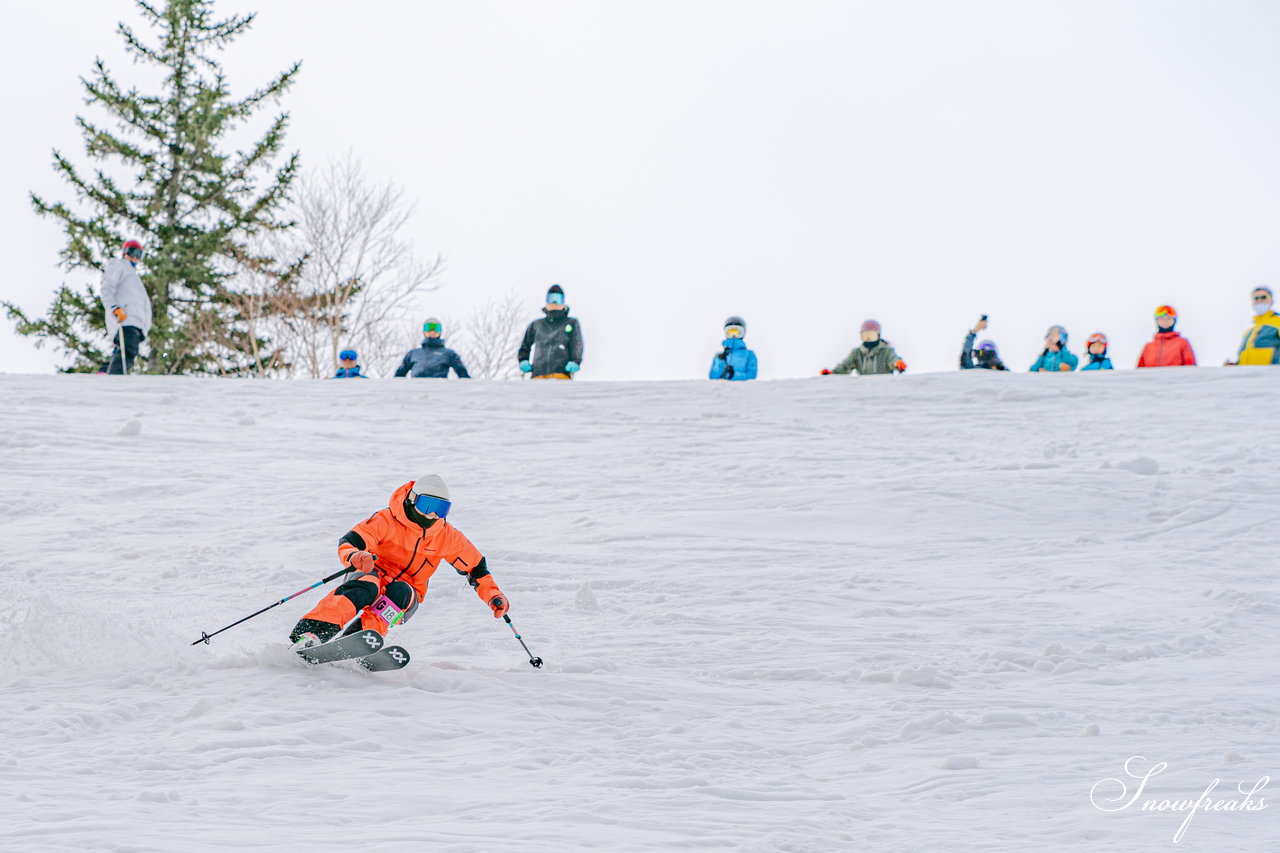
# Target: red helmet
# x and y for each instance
(870, 326)
(1096, 338)
(132, 247)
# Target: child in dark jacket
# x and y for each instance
(735, 362)
(552, 345)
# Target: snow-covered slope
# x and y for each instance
(895, 613)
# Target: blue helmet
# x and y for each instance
(1062, 334)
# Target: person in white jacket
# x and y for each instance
(127, 305)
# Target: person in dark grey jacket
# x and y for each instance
(433, 359)
(552, 346)
(984, 356)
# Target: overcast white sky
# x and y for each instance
(804, 164)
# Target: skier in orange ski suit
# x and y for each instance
(394, 553)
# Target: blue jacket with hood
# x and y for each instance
(735, 362)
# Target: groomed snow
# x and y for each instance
(907, 613)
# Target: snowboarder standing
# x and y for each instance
(127, 306)
(1168, 348)
(1095, 346)
(875, 356)
(552, 346)
(984, 356)
(394, 553)
(735, 362)
(432, 359)
(1056, 357)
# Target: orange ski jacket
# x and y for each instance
(1167, 349)
(408, 552)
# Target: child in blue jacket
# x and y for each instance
(1055, 357)
(1096, 347)
(735, 362)
(349, 369)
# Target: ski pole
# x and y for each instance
(204, 638)
(535, 662)
(124, 361)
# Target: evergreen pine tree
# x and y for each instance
(197, 210)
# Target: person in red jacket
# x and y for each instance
(1168, 348)
(394, 553)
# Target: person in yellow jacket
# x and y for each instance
(1261, 344)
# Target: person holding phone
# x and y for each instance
(984, 356)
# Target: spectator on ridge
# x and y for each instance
(735, 362)
(982, 357)
(128, 308)
(1096, 348)
(1261, 343)
(875, 356)
(552, 345)
(1056, 357)
(347, 366)
(1168, 348)
(432, 359)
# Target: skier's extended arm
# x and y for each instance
(359, 547)
(468, 562)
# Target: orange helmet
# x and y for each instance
(1096, 338)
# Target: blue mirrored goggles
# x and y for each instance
(426, 505)
(347, 355)
(555, 298)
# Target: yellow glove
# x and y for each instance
(120, 314)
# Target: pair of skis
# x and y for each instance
(364, 647)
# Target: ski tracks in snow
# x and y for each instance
(808, 615)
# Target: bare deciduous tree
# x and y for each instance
(361, 282)
(488, 340)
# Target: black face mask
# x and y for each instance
(871, 344)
